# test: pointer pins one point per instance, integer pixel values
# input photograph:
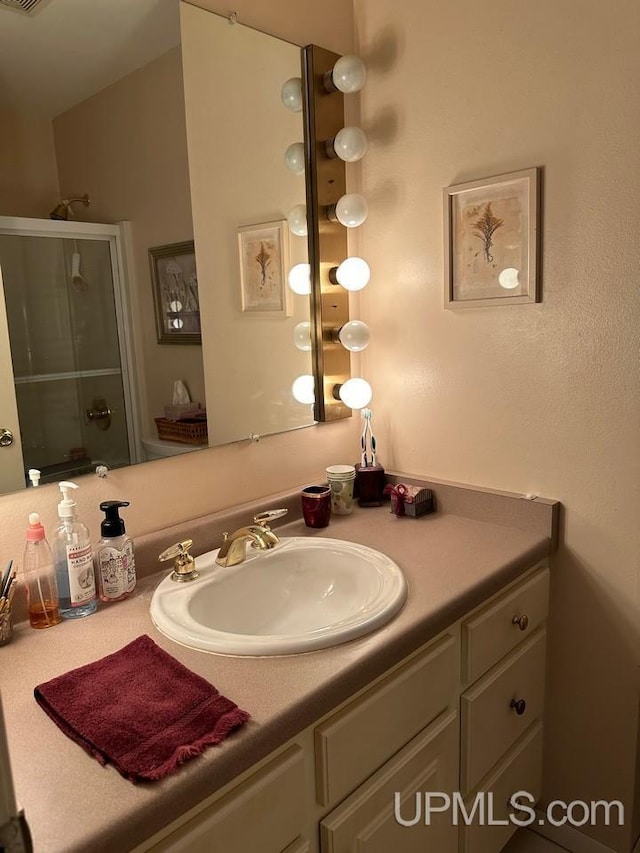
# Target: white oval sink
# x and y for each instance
(304, 594)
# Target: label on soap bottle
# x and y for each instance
(82, 583)
(116, 570)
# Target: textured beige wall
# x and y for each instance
(28, 172)
(536, 398)
(127, 147)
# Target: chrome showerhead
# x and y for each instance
(63, 210)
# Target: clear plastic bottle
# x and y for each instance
(73, 560)
(40, 577)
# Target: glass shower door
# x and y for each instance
(63, 333)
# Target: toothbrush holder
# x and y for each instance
(370, 485)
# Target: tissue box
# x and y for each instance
(177, 411)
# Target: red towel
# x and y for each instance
(140, 710)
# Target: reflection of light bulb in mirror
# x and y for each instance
(349, 74)
(356, 393)
(294, 158)
(291, 94)
(303, 389)
(353, 274)
(509, 278)
(175, 306)
(351, 210)
(350, 144)
(302, 336)
(297, 220)
(355, 336)
(300, 279)
(177, 323)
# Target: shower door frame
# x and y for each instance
(119, 239)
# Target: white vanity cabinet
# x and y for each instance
(265, 813)
(462, 713)
(501, 706)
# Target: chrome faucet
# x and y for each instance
(233, 549)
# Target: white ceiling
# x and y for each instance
(69, 49)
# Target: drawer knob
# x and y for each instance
(521, 621)
(519, 706)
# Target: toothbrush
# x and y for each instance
(373, 442)
(363, 440)
(366, 414)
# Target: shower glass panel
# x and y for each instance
(63, 333)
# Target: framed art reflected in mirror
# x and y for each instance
(175, 293)
(264, 258)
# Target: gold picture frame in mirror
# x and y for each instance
(174, 281)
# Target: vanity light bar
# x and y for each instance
(327, 241)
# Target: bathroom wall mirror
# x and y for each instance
(236, 131)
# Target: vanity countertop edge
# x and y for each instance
(451, 562)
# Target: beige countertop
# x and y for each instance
(73, 804)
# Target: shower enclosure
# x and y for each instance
(65, 355)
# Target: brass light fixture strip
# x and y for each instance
(325, 182)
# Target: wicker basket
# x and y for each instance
(188, 431)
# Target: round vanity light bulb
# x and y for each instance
(303, 389)
(353, 274)
(291, 94)
(175, 306)
(351, 210)
(302, 336)
(297, 220)
(355, 336)
(349, 74)
(356, 393)
(300, 279)
(294, 158)
(350, 144)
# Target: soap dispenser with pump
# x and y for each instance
(74, 559)
(115, 563)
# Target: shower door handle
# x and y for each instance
(6, 437)
(99, 414)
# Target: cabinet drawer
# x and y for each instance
(521, 770)
(489, 724)
(492, 633)
(357, 740)
(366, 821)
(266, 813)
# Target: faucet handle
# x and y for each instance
(263, 518)
(184, 568)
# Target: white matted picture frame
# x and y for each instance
(264, 261)
(492, 241)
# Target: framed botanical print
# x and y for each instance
(491, 230)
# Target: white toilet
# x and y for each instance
(155, 448)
